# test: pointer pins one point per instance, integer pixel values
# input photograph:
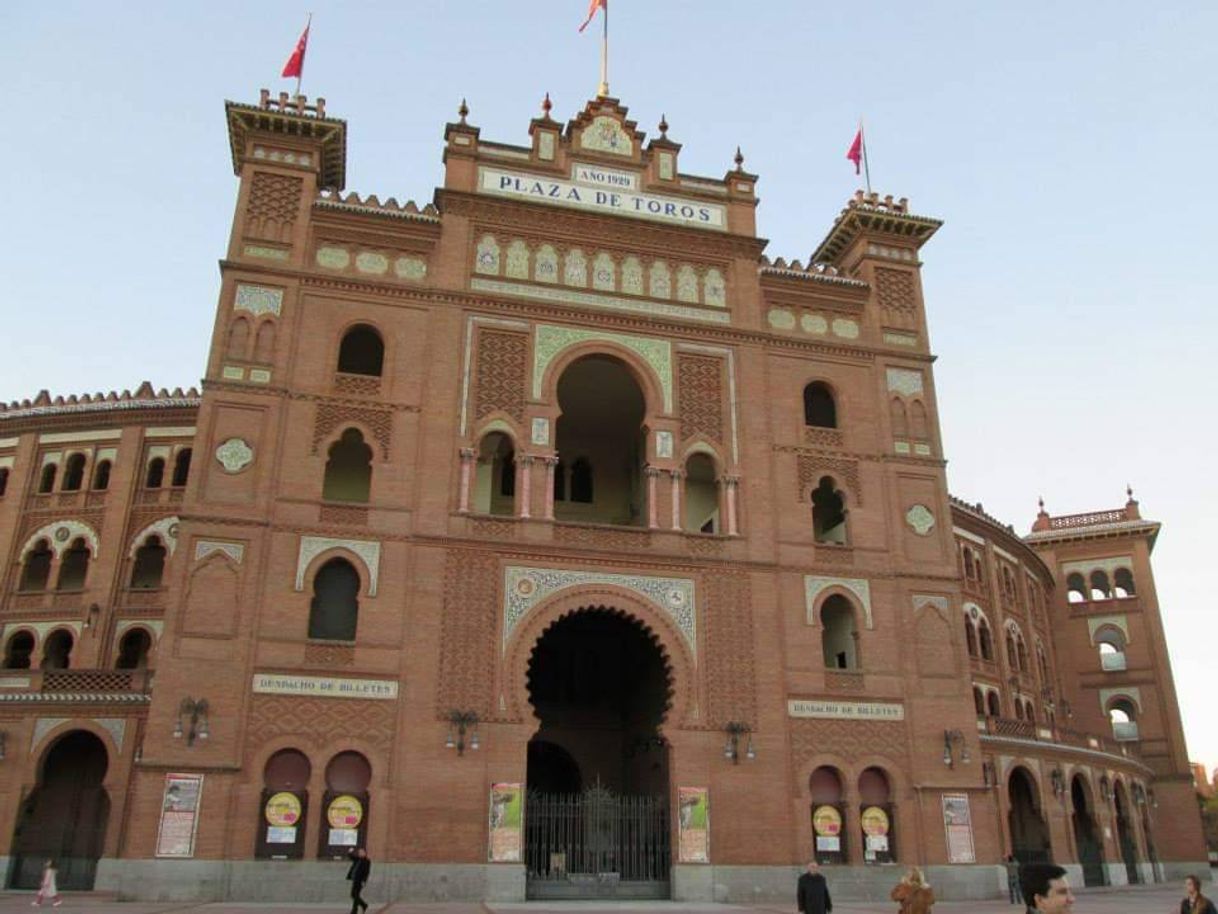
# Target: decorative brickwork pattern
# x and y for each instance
(700, 396)
(851, 683)
(274, 203)
(602, 537)
(332, 416)
(502, 366)
(822, 437)
(343, 514)
(849, 739)
(358, 385)
(467, 646)
(894, 289)
(731, 691)
(812, 467)
(329, 655)
(319, 722)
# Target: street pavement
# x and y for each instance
(1136, 900)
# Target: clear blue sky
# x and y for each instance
(1069, 147)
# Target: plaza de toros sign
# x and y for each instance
(603, 190)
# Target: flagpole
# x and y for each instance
(300, 75)
(604, 89)
(866, 164)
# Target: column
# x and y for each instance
(551, 467)
(468, 456)
(730, 485)
(526, 485)
(676, 476)
(653, 474)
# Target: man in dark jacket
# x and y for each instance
(812, 892)
(361, 869)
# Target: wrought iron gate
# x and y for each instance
(596, 844)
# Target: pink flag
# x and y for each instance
(593, 6)
(855, 153)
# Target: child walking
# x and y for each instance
(48, 888)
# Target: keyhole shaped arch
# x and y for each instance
(679, 658)
(657, 397)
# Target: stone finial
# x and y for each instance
(739, 159)
(546, 105)
(1131, 506)
(663, 127)
(463, 111)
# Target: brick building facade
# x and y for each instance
(557, 495)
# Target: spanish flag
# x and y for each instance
(593, 6)
(295, 64)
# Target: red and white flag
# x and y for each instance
(855, 152)
(295, 64)
(593, 6)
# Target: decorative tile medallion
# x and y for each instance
(605, 134)
(541, 431)
(372, 262)
(204, 548)
(412, 269)
(920, 519)
(258, 300)
(333, 258)
(904, 381)
(525, 588)
(235, 455)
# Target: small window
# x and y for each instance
(335, 608)
(36, 570)
(149, 567)
(362, 352)
(74, 566)
(348, 475)
(57, 652)
(1022, 650)
(839, 635)
(1123, 578)
(1099, 585)
(970, 637)
(828, 513)
(181, 468)
(74, 473)
(1076, 588)
(155, 477)
(133, 650)
(819, 409)
(46, 482)
(3, 481)
(992, 704)
(18, 651)
(986, 642)
(978, 702)
(101, 476)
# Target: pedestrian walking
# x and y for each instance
(913, 893)
(1194, 902)
(812, 891)
(1012, 866)
(360, 870)
(1045, 888)
(48, 887)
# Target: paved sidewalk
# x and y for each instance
(1136, 900)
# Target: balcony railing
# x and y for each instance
(1111, 663)
(77, 685)
(1125, 731)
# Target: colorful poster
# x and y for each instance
(179, 815)
(693, 825)
(282, 809)
(958, 822)
(344, 814)
(507, 819)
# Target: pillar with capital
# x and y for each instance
(653, 519)
(731, 485)
(469, 457)
(551, 464)
(676, 476)
(525, 507)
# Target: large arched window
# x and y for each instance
(1100, 589)
(839, 634)
(133, 650)
(1012, 657)
(978, 701)
(1124, 582)
(74, 473)
(148, 569)
(701, 495)
(348, 469)
(1076, 588)
(581, 481)
(820, 410)
(1111, 643)
(74, 566)
(1123, 714)
(346, 805)
(101, 476)
(181, 467)
(828, 813)
(876, 815)
(46, 482)
(362, 351)
(335, 608)
(36, 569)
(992, 704)
(970, 636)
(828, 513)
(57, 650)
(154, 478)
(985, 640)
(18, 651)
(284, 806)
(3, 481)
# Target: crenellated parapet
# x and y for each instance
(144, 397)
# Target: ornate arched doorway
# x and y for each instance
(596, 816)
(1029, 833)
(64, 817)
(1129, 849)
(1086, 836)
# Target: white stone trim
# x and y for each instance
(101, 434)
(170, 431)
(115, 726)
(204, 548)
(904, 381)
(1119, 622)
(156, 626)
(814, 585)
(60, 534)
(968, 535)
(1133, 693)
(367, 551)
(166, 528)
(1108, 565)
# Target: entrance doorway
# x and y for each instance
(1129, 850)
(1086, 838)
(597, 815)
(1029, 834)
(64, 817)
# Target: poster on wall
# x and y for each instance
(958, 821)
(507, 817)
(827, 824)
(282, 812)
(179, 815)
(693, 825)
(344, 814)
